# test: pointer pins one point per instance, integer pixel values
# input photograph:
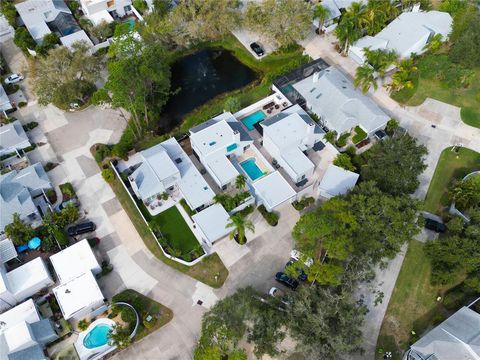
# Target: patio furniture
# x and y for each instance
(277, 106)
(269, 105)
(34, 243)
(22, 248)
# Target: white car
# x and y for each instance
(13, 78)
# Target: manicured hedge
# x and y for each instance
(270, 217)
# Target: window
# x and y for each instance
(245, 148)
(127, 8)
(178, 160)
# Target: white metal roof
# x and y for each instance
(74, 260)
(78, 294)
(69, 40)
(12, 135)
(193, 186)
(100, 16)
(221, 168)
(7, 250)
(25, 311)
(213, 221)
(336, 101)
(217, 136)
(273, 189)
(337, 181)
(297, 160)
(31, 275)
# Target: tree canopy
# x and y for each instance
(139, 78)
(66, 74)
(282, 22)
(465, 37)
(395, 164)
(19, 231)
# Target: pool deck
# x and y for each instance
(259, 161)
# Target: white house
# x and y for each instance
(105, 10)
(24, 334)
(12, 137)
(78, 293)
(166, 167)
(338, 104)
(215, 142)
(22, 282)
(335, 8)
(6, 30)
(42, 17)
(286, 136)
(336, 181)
(407, 34)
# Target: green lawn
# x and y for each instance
(413, 304)
(428, 85)
(175, 230)
(210, 270)
(451, 165)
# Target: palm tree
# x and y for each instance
(322, 13)
(435, 43)
(364, 78)
(240, 224)
(350, 27)
(380, 59)
(378, 13)
(403, 77)
(240, 182)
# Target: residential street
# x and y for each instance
(66, 139)
(418, 121)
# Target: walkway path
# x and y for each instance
(449, 131)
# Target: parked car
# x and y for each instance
(286, 280)
(434, 225)
(82, 228)
(257, 49)
(13, 78)
(301, 274)
(73, 201)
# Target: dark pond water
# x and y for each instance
(200, 77)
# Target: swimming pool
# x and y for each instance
(97, 337)
(254, 118)
(252, 169)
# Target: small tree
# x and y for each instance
(232, 104)
(321, 13)
(364, 78)
(23, 39)
(331, 137)
(240, 182)
(108, 175)
(83, 324)
(19, 231)
(7, 8)
(239, 224)
(392, 125)
(120, 337)
(49, 42)
(466, 193)
(344, 161)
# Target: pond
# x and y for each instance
(199, 77)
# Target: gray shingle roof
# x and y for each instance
(334, 98)
(15, 192)
(458, 337)
(43, 331)
(12, 135)
(34, 352)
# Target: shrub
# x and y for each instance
(140, 5)
(31, 125)
(392, 125)
(9, 11)
(100, 97)
(342, 140)
(22, 104)
(60, 236)
(187, 208)
(360, 135)
(344, 161)
(303, 203)
(247, 211)
(51, 196)
(30, 148)
(83, 324)
(93, 242)
(270, 217)
(108, 175)
(102, 151)
(331, 136)
(128, 315)
(67, 191)
(139, 304)
(24, 40)
(232, 104)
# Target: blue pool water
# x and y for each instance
(97, 337)
(251, 168)
(254, 118)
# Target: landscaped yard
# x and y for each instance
(210, 270)
(427, 84)
(413, 305)
(451, 165)
(145, 307)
